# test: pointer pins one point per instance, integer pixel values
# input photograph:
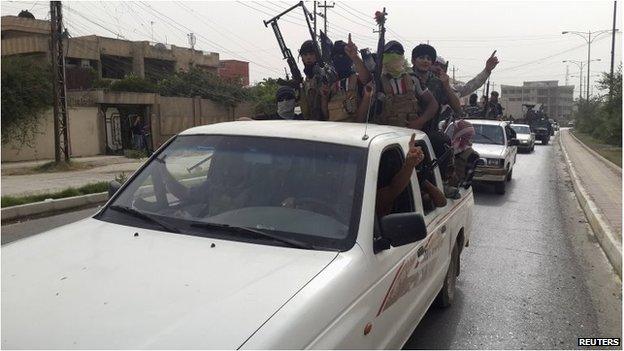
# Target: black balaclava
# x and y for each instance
(342, 62)
(306, 48)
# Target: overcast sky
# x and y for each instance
(526, 35)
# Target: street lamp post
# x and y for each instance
(587, 36)
(580, 64)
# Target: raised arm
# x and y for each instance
(351, 50)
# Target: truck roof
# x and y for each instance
(330, 132)
(488, 121)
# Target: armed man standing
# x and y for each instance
(344, 100)
(312, 98)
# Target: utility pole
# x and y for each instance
(192, 40)
(612, 48)
(61, 124)
(325, 7)
(315, 19)
(588, 62)
(152, 27)
(567, 74)
(453, 74)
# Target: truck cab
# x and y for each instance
(245, 235)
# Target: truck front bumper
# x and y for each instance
(485, 174)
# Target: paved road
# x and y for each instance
(533, 277)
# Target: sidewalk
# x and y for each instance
(602, 183)
(31, 184)
(9, 168)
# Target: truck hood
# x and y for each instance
(95, 285)
(489, 150)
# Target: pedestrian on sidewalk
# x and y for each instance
(137, 133)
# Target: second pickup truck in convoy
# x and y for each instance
(497, 146)
(245, 235)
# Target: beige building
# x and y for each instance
(100, 121)
(110, 58)
(557, 100)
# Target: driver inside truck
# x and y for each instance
(386, 195)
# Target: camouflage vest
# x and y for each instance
(344, 100)
(399, 109)
(311, 100)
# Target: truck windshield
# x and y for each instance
(521, 129)
(304, 191)
(488, 134)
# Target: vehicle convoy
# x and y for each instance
(536, 118)
(495, 143)
(252, 235)
(526, 138)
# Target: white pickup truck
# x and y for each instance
(497, 145)
(252, 235)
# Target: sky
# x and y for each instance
(526, 35)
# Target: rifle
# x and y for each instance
(380, 18)
(292, 64)
(486, 108)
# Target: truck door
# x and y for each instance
(404, 275)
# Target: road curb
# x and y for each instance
(604, 234)
(608, 163)
(51, 206)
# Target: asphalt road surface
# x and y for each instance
(534, 276)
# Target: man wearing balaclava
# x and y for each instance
(285, 99)
(402, 94)
(311, 96)
(344, 97)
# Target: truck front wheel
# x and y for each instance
(446, 296)
(545, 141)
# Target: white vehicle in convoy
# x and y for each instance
(251, 235)
(497, 146)
(526, 138)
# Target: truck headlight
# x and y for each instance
(495, 162)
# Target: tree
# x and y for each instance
(263, 95)
(197, 82)
(27, 93)
(133, 83)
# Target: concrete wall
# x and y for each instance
(86, 133)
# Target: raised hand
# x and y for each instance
(415, 154)
(491, 62)
(351, 49)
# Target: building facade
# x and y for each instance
(111, 58)
(235, 71)
(557, 100)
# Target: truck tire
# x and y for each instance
(545, 141)
(446, 296)
(499, 187)
(509, 174)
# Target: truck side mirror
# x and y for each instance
(514, 142)
(403, 228)
(113, 186)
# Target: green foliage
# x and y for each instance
(263, 95)
(601, 117)
(131, 153)
(197, 82)
(133, 83)
(99, 187)
(26, 94)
